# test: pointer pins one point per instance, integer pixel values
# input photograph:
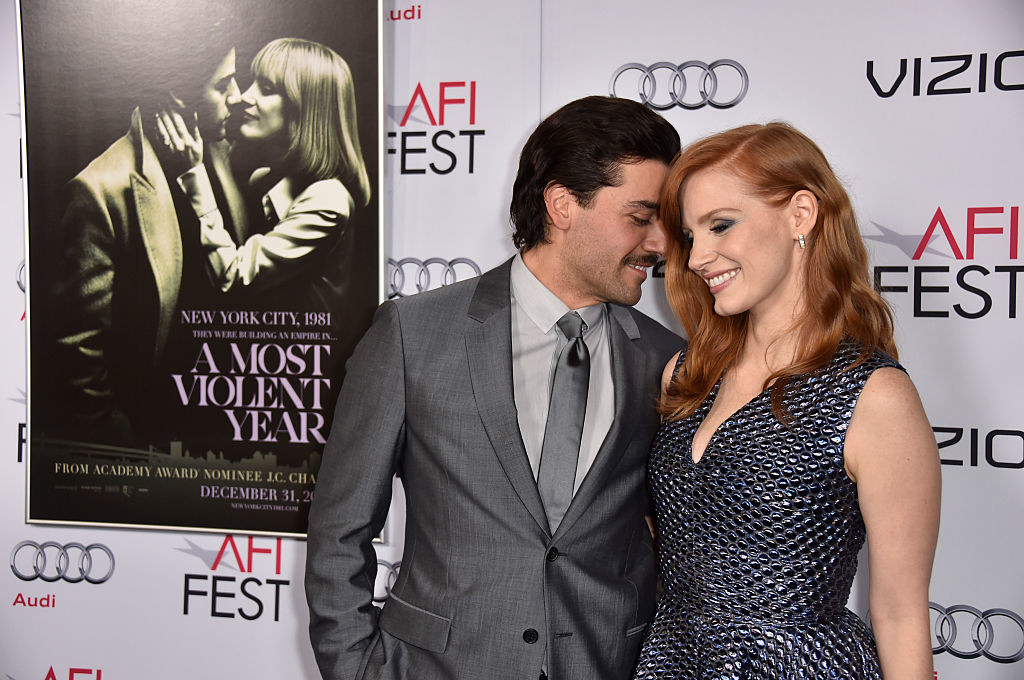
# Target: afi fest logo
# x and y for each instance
(437, 133)
(230, 589)
(949, 74)
(970, 287)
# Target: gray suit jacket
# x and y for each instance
(485, 591)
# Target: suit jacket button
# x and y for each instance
(530, 636)
(552, 555)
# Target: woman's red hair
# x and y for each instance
(775, 161)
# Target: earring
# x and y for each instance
(801, 241)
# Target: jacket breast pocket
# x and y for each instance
(415, 625)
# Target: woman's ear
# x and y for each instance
(803, 207)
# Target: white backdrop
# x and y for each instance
(920, 157)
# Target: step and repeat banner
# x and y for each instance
(920, 110)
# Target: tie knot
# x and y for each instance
(572, 325)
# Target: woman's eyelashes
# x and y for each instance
(721, 226)
(718, 227)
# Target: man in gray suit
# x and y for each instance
(501, 577)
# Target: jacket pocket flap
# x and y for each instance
(414, 625)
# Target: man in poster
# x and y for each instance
(526, 551)
(122, 273)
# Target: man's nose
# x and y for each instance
(234, 93)
(657, 238)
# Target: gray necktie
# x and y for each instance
(564, 427)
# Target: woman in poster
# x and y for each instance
(297, 125)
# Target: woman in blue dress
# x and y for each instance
(789, 432)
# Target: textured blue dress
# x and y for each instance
(758, 540)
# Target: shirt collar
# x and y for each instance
(279, 197)
(542, 306)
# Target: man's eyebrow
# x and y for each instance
(647, 205)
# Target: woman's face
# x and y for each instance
(743, 248)
(262, 112)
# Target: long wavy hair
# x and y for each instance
(324, 137)
(775, 161)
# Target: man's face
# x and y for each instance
(612, 242)
(212, 107)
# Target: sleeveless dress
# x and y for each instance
(758, 540)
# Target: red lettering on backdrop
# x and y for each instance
(266, 551)
(418, 93)
(973, 230)
(50, 675)
(84, 671)
(940, 220)
(1014, 230)
(247, 567)
(443, 100)
(229, 539)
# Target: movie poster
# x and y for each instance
(203, 253)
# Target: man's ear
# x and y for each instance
(559, 202)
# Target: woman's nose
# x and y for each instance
(700, 255)
(249, 96)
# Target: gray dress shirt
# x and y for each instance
(536, 342)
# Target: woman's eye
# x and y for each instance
(687, 237)
(721, 226)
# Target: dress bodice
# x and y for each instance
(758, 540)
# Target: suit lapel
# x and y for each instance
(629, 367)
(158, 224)
(489, 348)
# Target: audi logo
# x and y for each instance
(713, 87)
(983, 633)
(71, 562)
(390, 574)
(21, 276)
(409, 275)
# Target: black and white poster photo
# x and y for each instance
(203, 253)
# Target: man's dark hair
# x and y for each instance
(582, 146)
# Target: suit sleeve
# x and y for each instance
(83, 290)
(352, 497)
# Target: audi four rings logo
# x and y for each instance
(71, 562)
(692, 84)
(409, 275)
(390, 576)
(983, 635)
